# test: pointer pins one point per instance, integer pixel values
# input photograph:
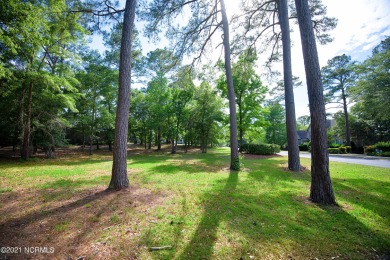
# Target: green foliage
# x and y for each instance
(249, 92)
(275, 123)
(385, 154)
(334, 150)
(371, 91)
(303, 122)
(383, 146)
(304, 147)
(337, 77)
(378, 149)
(369, 150)
(348, 149)
(261, 149)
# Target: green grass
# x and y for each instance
(204, 211)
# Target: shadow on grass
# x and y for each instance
(354, 191)
(265, 213)
(71, 224)
(202, 243)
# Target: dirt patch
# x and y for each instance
(85, 224)
(301, 170)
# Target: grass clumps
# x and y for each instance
(193, 205)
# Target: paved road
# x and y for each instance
(352, 158)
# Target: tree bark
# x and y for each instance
(241, 131)
(347, 131)
(234, 160)
(321, 190)
(25, 153)
(119, 178)
(291, 124)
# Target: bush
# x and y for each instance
(348, 148)
(334, 150)
(334, 145)
(369, 150)
(383, 146)
(342, 150)
(262, 149)
(304, 147)
(386, 154)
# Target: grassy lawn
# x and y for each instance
(194, 204)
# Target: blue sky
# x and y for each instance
(362, 24)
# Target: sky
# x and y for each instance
(362, 24)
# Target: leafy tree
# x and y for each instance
(321, 186)
(337, 77)
(373, 87)
(158, 97)
(97, 105)
(182, 90)
(207, 111)
(249, 92)
(303, 122)
(36, 45)
(276, 127)
(202, 25)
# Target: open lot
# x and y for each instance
(193, 204)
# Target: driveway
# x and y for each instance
(351, 158)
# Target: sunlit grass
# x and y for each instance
(204, 210)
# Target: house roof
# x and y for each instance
(302, 134)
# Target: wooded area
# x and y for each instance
(55, 90)
(59, 94)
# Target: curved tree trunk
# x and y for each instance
(119, 178)
(321, 186)
(291, 124)
(234, 160)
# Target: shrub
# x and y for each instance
(334, 150)
(343, 150)
(384, 146)
(348, 149)
(369, 150)
(304, 147)
(262, 149)
(334, 145)
(386, 154)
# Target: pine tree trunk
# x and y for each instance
(231, 95)
(347, 131)
(119, 178)
(25, 153)
(291, 124)
(321, 186)
(173, 146)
